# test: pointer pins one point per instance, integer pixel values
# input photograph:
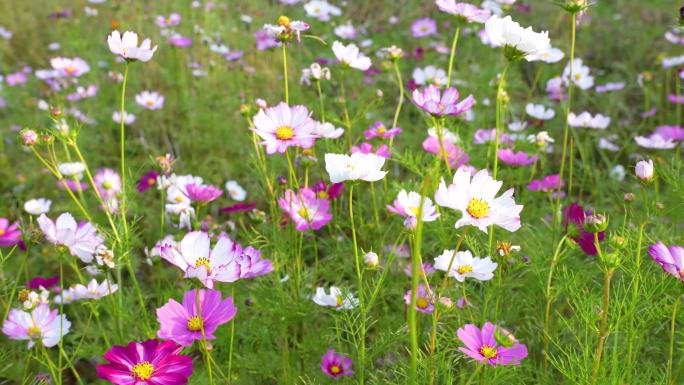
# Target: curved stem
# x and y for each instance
(395, 120)
(453, 53)
(673, 321)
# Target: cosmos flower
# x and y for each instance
(315, 72)
(431, 100)
(181, 322)
(202, 193)
(549, 55)
(349, 55)
(264, 41)
(516, 158)
(548, 183)
(644, 170)
(427, 269)
(71, 169)
(336, 365)
(539, 111)
(238, 207)
(429, 75)
(108, 183)
(42, 282)
(150, 100)
(171, 21)
(321, 10)
(327, 130)
(671, 259)
(40, 325)
(675, 133)
(424, 301)
(147, 181)
(283, 126)
(616, 86)
(554, 87)
(475, 199)
(82, 93)
(126, 46)
(586, 120)
(408, 206)
(581, 75)
(146, 363)
(655, 142)
(345, 31)
(128, 118)
(94, 290)
(424, 27)
(455, 156)
(198, 260)
(573, 219)
(306, 209)
(80, 239)
(517, 41)
(235, 191)
(252, 265)
(330, 192)
(286, 29)
(335, 298)
(464, 265)
(378, 130)
(358, 166)
(10, 234)
(367, 148)
(69, 67)
(483, 345)
(464, 11)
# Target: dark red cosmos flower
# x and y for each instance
(573, 220)
(239, 207)
(38, 282)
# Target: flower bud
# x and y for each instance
(617, 241)
(595, 223)
(611, 260)
(446, 303)
(29, 137)
(261, 103)
(629, 197)
(56, 112)
(644, 171)
(371, 259)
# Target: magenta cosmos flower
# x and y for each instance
(548, 183)
(379, 130)
(336, 365)
(239, 207)
(367, 148)
(197, 259)
(306, 209)
(671, 259)
(180, 323)
(80, 239)
(283, 126)
(573, 219)
(252, 265)
(431, 100)
(513, 158)
(10, 235)
(146, 363)
(202, 194)
(424, 302)
(41, 325)
(147, 181)
(482, 345)
(329, 192)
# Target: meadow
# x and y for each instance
(327, 191)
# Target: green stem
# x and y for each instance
(287, 90)
(549, 300)
(232, 338)
(320, 100)
(479, 368)
(673, 321)
(207, 354)
(395, 120)
(453, 53)
(359, 277)
(123, 153)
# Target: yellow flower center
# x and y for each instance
(477, 208)
(70, 70)
(415, 211)
(150, 103)
(422, 303)
(284, 21)
(464, 269)
(2, 232)
(340, 301)
(488, 351)
(179, 199)
(203, 261)
(142, 371)
(335, 369)
(284, 133)
(34, 332)
(424, 29)
(382, 130)
(304, 213)
(168, 21)
(323, 194)
(504, 248)
(578, 76)
(151, 181)
(195, 324)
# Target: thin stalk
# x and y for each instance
(123, 153)
(207, 354)
(603, 325)
(287, 90)
(499, 113)
(400, 82)
(359, 277)
(549, 299)
(479, 368)
(232, 338)
(320, 100)
(416, 266)
(673, 321)
(453, 53)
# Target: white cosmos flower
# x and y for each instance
(150, 100)
(94, 290)
(37, 206)
(357, 166)
(350, 55)
(327, 130)
(586, 120)
(410, 203)
(476, 200)
(430, 75)
(335, 299)
(581, 75)
(128, 118)
(126, 46)
(655, 142)
(504, 32)
(539, 111)
(321, 10)
(464, 265)
(346, 31)
(71, 169)
(235, 191)
(549, 55)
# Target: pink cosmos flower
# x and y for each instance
(108, 183)
(283, 126)
(367, 148)
(181, 323)
(424, 302)
(69, 67)
(514, 158)
(147, 180)
(610, 87)
(150, 100)
(306, 209)
(171, 21)
(252, 265)
(428, 269)
(675, 133)
(73, 185)
(10, 234)
(196, 258)
(81, 239)
(180, 41)
(484, 344)
(336, 365)
(40, 325)
(454, 154)
(424, 27)
(431, 100)
(265, 41)
(146, 363)
(464, 11)
(573, 219)
(126, 46)
(655, 142)
(546, 184)
(671, 259)
(202, 194)
(16, 78)
(483, 136)
(378, 130)
(675, 99)
(82, 93)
